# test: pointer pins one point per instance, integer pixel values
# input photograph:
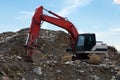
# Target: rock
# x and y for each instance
(94, 77)
(106, 66)
(2, 58)
(113, 78)
(37, 70)
(19, 57)
(118, 75)
(38, 57)
(69, 62)
(5, 78)
(94, 59)
(2, 73)
(77, 62)
(116, 68)
(91, 69)
(58, 71)
(81, 72)
(23, 78)
(8, 38)
(67, 57)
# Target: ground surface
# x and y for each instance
(51, 61)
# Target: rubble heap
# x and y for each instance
(51, 61)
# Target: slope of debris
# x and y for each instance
(51, 61)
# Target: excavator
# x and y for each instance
(80, 43)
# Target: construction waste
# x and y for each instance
(50, 59)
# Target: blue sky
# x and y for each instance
(89, 16)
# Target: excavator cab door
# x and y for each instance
(85, 42)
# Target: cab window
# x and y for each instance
(81, 40)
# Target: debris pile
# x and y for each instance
(51, 61)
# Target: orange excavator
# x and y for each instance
(80, 43)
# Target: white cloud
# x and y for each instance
(72, 5)
(115, 29)
(25, 15)
(116, 1)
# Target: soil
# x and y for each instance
(50, 59)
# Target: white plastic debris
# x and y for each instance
(37, 70)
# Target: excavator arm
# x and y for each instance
(55, 20)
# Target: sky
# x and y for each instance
(101, 17)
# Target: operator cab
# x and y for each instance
(85, 42)
(86, 45)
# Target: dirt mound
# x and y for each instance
(51, 59)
